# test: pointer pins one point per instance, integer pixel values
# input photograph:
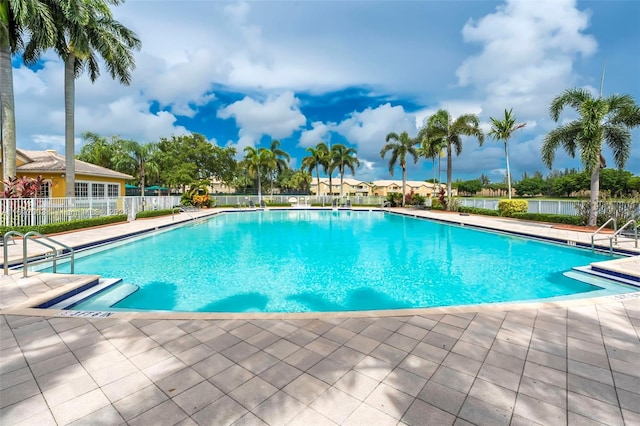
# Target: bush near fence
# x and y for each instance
(52, 228)
(510, 207)
(553, 218)
(156, 213)
(477, 210)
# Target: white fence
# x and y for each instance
(565, 207)
(42, 211)
(242, 200)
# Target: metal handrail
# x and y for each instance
(615, 228)
(5, 240)
(635, 232)
(25, 258)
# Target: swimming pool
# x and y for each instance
(323, 260)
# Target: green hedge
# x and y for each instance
(553, 218)
(53, 228)
(476, 210)
(155, 213)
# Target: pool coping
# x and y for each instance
(27, 307)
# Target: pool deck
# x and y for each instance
(561, 362)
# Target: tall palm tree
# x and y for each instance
(607, 120)
(442, 128)
(258, 160)
(503, 130)
(282, 159)
(137, 159)
(343, 158)
(315, 160)
(89, 31)
(400, 146)
(18, 18)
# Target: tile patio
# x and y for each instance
(565, 362)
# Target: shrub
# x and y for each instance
(416, 200)
(394, 199)
(553, 218)
(436, 204)
(509, 207)
(52, 228)
(155, 213)
(476, 210)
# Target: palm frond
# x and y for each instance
(618, 139)
(570, 97)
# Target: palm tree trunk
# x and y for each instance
(69, 126)
(330, 187)
(273, 178)
(318, 178)
(506, 154)
(404, 183)
(595, 190)
(8, 110)
(433, 167)
(449, 160)
(341, 184)
(259, 186)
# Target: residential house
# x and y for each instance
(350, 186)
(91, 181)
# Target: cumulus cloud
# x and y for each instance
(319, 132)
(369, 128)
(528, 50)
(278, 116)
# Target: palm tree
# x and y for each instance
(258, 160)
(137, 159)
(433, 150)
(89, 30)
(17, 18)
(282, 159)
(343, 158)
(315, 160)
(601, 120)
(96, 150)
(401, 146)
(503, 130)
(442, 128)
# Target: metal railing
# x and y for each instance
(593, 236)
(622, 228)
(53, 255)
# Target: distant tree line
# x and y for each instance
(558, 183)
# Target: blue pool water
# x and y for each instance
(306, 260)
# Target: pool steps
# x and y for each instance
(107, 298)
(592, 276)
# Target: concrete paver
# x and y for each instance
(565, 362)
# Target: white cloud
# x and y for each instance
(319, 132)
(278, 116)
(528, 50)
(368, 129)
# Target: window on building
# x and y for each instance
(82, 190)
(44, 191)
(97, 190)
(113, 190)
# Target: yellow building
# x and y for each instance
(91, 181)
(349, 187)
(382, 188)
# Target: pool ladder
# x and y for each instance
(52, 256)
(613, 239)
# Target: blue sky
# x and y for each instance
(243, 73)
